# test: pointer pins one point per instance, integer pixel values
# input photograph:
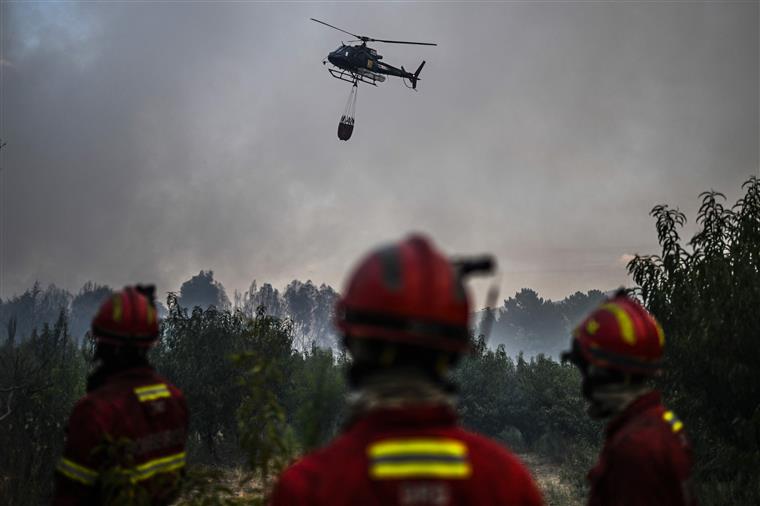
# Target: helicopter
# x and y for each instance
(361, 63)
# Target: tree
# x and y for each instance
(84, 306)
(40, 379)
(194, 353)
(706, 295)
(530, 324)
(34, 307)
(323, 316)
(203, 291)
(300, 300)
(266, 297)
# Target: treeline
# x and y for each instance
(309, 307)
(524, 323)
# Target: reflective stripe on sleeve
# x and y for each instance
(77, 472)
(156, 466)
(142, 472)
(152, 392)
(676, 425)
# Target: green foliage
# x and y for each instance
(535, 404)
(485, 381)
(194, 353)
(264, 433)
(706, 295)
(40, 379)
(318, 397)
(253, 396)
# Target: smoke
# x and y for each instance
(148, 141)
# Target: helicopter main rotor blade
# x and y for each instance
(339, 29)
(403, 42)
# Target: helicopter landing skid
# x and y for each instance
(351, 77)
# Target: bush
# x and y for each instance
(535, 405)
(706, 295)
(41, 378)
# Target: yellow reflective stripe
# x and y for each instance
(149, 388)
(419, 457)
(142, 472)
(675, 424)
(117, 310)
(152, 397)
(160, 465)
(161, 461)
(390, 470)
(152, 392)
(151, 314)
(77, 472)
(592, 326)
(401, 447)
(624, 321)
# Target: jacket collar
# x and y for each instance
(643, 403)
(103, 376)
(408, 417)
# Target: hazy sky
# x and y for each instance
(147, 141)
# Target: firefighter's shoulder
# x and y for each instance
(655, 424)
(341, 460)
(654, 438)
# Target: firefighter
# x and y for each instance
(404, 320)
(126, 437)
(646, 458)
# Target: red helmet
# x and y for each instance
(406, 293)
(127, 317)
(621, 335)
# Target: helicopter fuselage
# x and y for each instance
(361, 63)
(364, 61)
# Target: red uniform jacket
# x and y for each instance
(146, 418)
(646, 459)
(409, 457)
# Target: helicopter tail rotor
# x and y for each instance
(416, 75)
